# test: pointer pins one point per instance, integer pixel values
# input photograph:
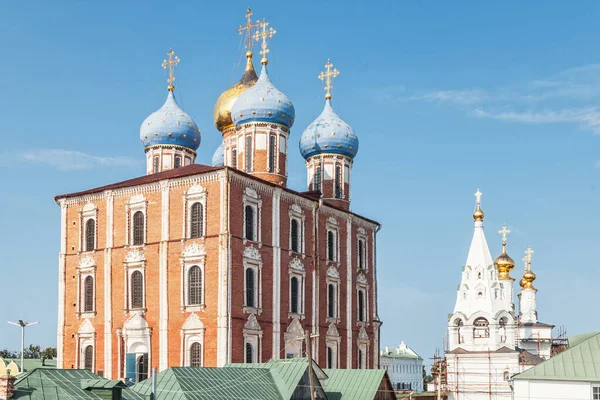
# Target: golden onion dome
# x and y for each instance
(504, 264)
(222, 111)
(478, 213)
(528, 278)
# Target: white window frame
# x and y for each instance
(332, 226)
(296, 269)
(253, 260)
(130, 267)
(361, 286)
(195, 194)
(296, 213)
(251, 198)
(333, 278)
(86, 267)
(253, 335)
(596, 395)
(84, 340)
(187, 262)
(135, 204)
(89, 211)
(362, 236)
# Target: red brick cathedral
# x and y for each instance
(196, 265)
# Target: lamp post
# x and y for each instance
(23, 325)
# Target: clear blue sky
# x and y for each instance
(446, 97)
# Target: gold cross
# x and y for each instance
(527, 257)
(249, 28)
(504, 231)
(173, 61)
(478, 196)
(327, 76)
(263, 36)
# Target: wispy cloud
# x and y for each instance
(587, 117)
(70, 160)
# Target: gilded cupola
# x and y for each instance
(478, 213)
(504, 263)
(528, 275)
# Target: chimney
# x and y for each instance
(7, 386)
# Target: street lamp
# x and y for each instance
(23, 325)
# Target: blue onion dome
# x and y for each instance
(218, 159)
(170, 126)
(328, 134)
(263, 103)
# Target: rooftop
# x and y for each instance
(401, 352)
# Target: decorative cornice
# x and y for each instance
(86, 262)
(296, 264)
(333, 272)
(252, 254)
(193, 250)
(134, 256)
(361, 278)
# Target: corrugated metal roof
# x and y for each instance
(352, 384)
(580, 362)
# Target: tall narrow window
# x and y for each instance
(196, 355)
(137, 290)
(331, 246)
(272, 150)
(197, 220)
(142, 367)
(295, 236)
(249, 213)
(360, 359)
(88, 355)
(88, 294)
(338, 182)
(234, 158)
(361, 254)
(318, 177)
(195, 286)
(248, 152)
(249, 353)
(90, 235)
(295, 292)
(138, 228)
(331, 300)
(361, 306)
(250, 288)
(177, 161)
(155, 162)
(329, 357)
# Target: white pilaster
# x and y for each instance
(62, 261)
(224, 295)
(108, 286)
(163, 342)
(350, 292)
(276, 224)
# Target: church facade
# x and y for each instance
(197, 265)
(488, 341)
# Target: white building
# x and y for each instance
(487, 341)
(404, 366)
(571, 375)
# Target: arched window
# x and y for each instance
(331, 300)
(88, 294)
(331, 246)
(272, 150)
(155, 165)
(249, 213)
(361, 306)
(197, 220)
(177, 161)
(360, 359)
(137, 290)
(248, 152)
(361, 254)
(481, 328)
(295, 236)
(295, 292)
(506, 375)
(195, 286)
(338, 182)
(249, 353)
(138, 228)
(234, 158)
(90, 235)
(459, 324)
(142, 367)
(318, 178)
(250, 288)
(88, 358)
(329, 357)
(196, 355)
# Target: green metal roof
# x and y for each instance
(55, 384)
(580, 362)
(352, 384)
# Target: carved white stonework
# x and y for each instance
(252, 253)
(362, 334)
(296, 208)
(196, 189)
(252, 324)
(333, 272)
(138, 198)
(192, 322)
(86, 327)
(332, 221)
(296, 264)
(295, 328)
(251, 192)
(361, 278)
(362, 231)
(89, 207)
(193, 250)
(135, 323)
(332, 331)
(135, 255)
(87, 262)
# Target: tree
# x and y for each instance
(32, 351)
(426, 379)
(49, 353)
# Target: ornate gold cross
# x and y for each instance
(478, 196)
(263, 36)
(327, 77)
(171, 63)
(527, 257)
(250, 27)
(504, 231)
